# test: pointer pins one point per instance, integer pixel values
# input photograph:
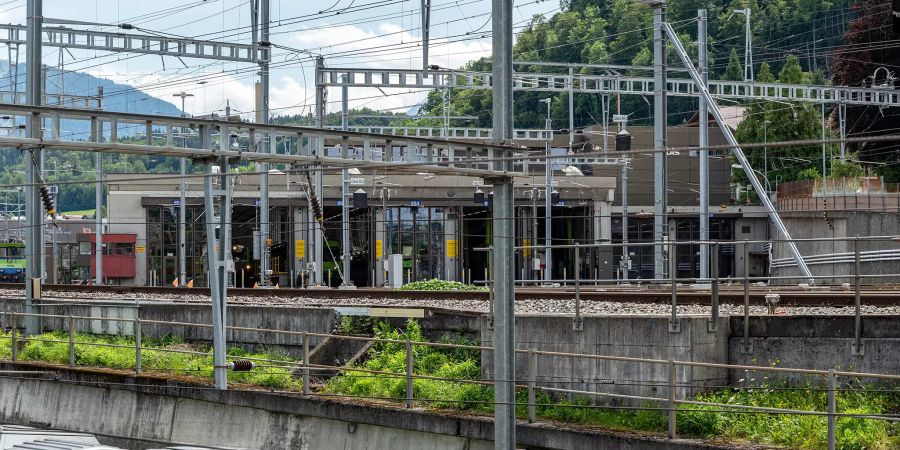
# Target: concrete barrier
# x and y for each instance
(145, 412)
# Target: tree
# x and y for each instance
(777, 122)
(856, 63)
(735, 69)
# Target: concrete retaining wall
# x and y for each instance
(149, 412)
(816, 343)
(630, 336)
(313, 320)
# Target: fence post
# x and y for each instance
(409, 374)
(746, 347)
(857, 346)
(71, 341)
(713, 325)
(137, 344)
(578, 322)
(832, 410)
(674, 324)
(673, 383)
(305, 362)
(532, 378)
(13, 328)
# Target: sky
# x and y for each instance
(348, 33)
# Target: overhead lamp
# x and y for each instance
(479, 197)
(360, 199)
(354, 171)
(554, 196)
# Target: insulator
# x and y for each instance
(314, 200)
(241, 365)
(48, 200)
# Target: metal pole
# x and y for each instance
(738, 153)
(571, 87)
(578, 323)
(34, 213)
(71, 340)
(746, 342)
(137, 345)
(626, 258)
(842, 119)
(548, 204)
(409, 374)
(659, 136)
(674, 325)
(532, 379)
(704, 152)
(857, 324)
(182, 202)
(305, 362)
(217, 242)
(98, 212)
(262, 116)
(182, 224)
(673, 383)
(318, 239)
(714, 291)
(345, 190)
(748, 54)
(504, 233)
(14, 331)
(832, 410)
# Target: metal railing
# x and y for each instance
(668, 404)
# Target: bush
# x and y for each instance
(439, 285)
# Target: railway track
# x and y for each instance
(793, 296)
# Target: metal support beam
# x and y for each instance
(608, 84)
(426, 34)
(704, 151)
(739, 154)
(503, 241)
(98, 213)
(218, 248)
(345, 195)
(659, 139)
(318, 239)
(116, 42)
(262, 116)
(34, 212)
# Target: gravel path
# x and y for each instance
(548, 306)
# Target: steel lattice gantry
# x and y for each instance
(606, 84)
(133, 43)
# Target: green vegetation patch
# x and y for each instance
(457, 372)
(439, 285)
(170, 355)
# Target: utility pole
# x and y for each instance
(548, 201)
(318, 239)
(182, 206)
(748, 43)
(98, 201)
(34, 213)
(503, 244)
(704, 144)
(345, 192)
(262, 116)
(659, 140)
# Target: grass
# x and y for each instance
(154, 357)
(791, 431)
(83, 212)
(444, 364)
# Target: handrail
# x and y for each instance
(410, 374)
